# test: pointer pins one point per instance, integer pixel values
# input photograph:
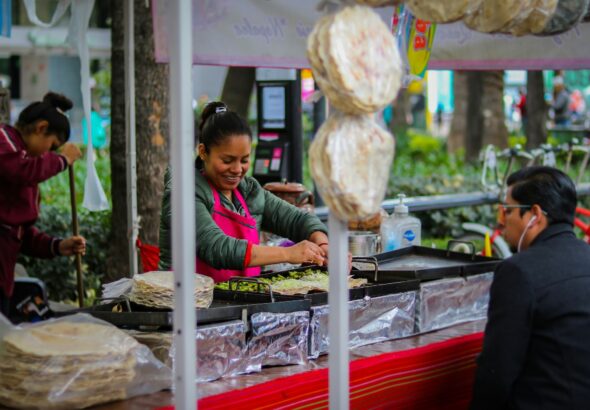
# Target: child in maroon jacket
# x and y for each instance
(26, 159)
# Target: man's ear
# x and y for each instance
(41, 127)
(537, 212)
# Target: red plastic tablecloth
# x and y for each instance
(436, 376)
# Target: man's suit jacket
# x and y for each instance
(536, 351)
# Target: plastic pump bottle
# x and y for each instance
(406, 228)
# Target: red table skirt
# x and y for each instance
(436, 376)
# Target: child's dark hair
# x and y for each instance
(217, 124)
(52, 110)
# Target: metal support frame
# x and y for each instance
(338, 311)
(130, 150)
(182, 147)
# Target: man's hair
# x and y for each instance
(547, 187)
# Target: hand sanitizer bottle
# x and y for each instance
(407, 228)
(389, 240)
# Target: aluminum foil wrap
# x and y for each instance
(221, 349)
(446, 302)
(371, 320)
(277, 339)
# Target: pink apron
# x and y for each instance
(236, 226)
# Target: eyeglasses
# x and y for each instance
(504, 209)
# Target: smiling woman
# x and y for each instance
(231, 208)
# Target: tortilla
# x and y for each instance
(350, 159)
(492, 16)
(540, 13)
(156, 289)
(355, 60)
(442, 11)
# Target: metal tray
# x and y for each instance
(422, 263)
(374, 288)
(132, 315)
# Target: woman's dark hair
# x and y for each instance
(52, 110)
(547, 187)
(217, 124)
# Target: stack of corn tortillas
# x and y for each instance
(516, 17)
(355, 60)
(350, 159)
(442, 11)
(156, 289)
(356, 63)
(65, 364)
(378, 3)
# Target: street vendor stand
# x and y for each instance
(230, 35)
(434, 370)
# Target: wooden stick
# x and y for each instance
(75, 231)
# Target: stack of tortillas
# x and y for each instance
(378, 3)
(357, 65)
(355, 60)
(350, 159)
(67, 365)
(156, 289)
(517, 17)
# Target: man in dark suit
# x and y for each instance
(536, 350)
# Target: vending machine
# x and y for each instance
(279, 151)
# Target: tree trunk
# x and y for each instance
(118, 264)
(152, 132)
(536, 129)
(456, 138)
(494, 130)
(237, 89)
(475, 118)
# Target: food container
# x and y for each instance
(363, 243)
(292, 192)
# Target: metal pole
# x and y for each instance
(131, 163)
(76, 232)
(338, 323)
(182, 148)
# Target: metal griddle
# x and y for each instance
(135, 316)
(422, 263)
(374, 288)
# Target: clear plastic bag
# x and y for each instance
(350, 160)
(74, 362)
(355, 60)
(522, 17)
(567, 14)
(442, 11)
(378, 3)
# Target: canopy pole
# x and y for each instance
(182, 147)
(338, 311)
(130, 147)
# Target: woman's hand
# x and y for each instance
(72, 245)
(321, 239)
(71, 152)
(306, 252)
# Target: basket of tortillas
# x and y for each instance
(74, 362)
(156, 289)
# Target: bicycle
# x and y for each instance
(545, 155)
